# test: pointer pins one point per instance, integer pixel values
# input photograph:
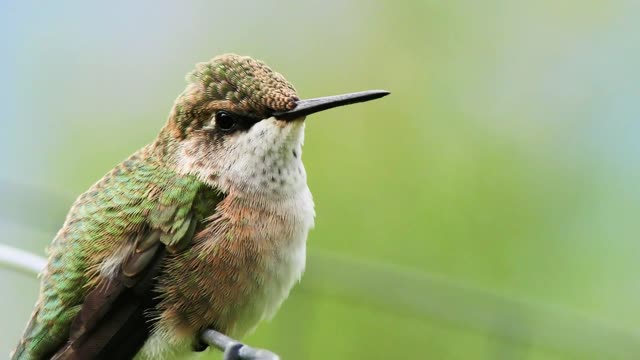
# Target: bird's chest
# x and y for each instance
(248, 259)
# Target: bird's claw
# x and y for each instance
(235, 350)
(239, 351)
(199, 346)
(232, 352)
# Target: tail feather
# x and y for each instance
(35, 343)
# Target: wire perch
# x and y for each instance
(32, 264)
(234, 350)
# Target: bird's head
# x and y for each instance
(240, 125)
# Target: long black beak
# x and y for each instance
(310, 106)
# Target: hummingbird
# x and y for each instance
(203, 228)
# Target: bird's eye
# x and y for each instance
(225, 121)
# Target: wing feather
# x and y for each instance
(146, 211)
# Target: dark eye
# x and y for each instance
(225, 121)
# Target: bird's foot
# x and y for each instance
(199, 346)
(233, 349)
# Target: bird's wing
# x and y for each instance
(99, 282)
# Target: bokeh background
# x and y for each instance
(487, 209)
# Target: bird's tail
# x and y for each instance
(22, 350)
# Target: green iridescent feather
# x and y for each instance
(137, 195)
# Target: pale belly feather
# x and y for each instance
(281, 267)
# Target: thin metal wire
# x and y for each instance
(32, 264)
(21, 260)
(233, 349)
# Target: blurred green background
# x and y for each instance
(487, 209)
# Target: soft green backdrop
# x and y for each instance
(487, 209)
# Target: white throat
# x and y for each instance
(265, 161)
